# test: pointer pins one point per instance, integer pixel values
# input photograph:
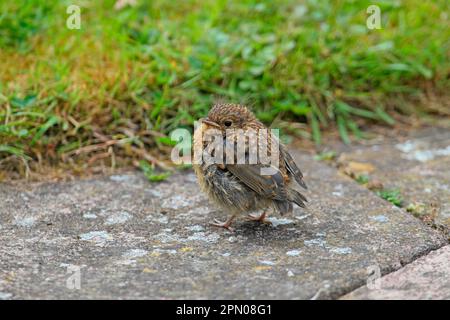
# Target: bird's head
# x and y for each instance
(231, 116)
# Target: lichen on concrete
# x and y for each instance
(134, 239)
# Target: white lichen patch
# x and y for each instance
(345, 250)
(126, 262)
(302, 217)
(315, 242)
(71, 265)
(134, 253)
(293, 253)
(279, 221)
(427, 155)
(267, 262)
(100, 238)
(26, 222)
(380, 218)
(162, 219)
(166, 237)
(5, 295)
(413, 152)
(321, 234)
(169, 251)
(338, 190)
(195, 228)
(118, 218)
(202, 236)
(239, 238)
(89, 216)
(407, 146)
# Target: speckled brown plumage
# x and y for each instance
(241, 188)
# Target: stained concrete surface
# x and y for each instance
(417, 165)
(121, 237)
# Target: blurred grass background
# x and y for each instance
(109, 94)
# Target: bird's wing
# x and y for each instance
(268, 186)
(291, 166)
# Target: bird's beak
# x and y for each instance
(209, 122)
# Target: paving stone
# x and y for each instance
(418, 165)
(425, 278)
(123, 237)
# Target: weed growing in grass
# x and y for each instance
(150, 173)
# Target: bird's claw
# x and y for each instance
(261, 218)
(220, 224)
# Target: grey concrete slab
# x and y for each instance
(418, 165)
(123, 237)
(425, 278)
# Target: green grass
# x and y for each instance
(129, 77)
(150, 174)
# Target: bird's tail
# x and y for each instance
(283, 206)
(297, 198)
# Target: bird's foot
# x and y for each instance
(259, 218)
(225, 225)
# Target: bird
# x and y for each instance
(243, 188)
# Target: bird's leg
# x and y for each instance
(225, 224)
(260, 218)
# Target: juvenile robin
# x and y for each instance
(242, 188)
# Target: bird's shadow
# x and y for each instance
(254, 230)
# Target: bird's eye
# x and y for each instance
(227, 123)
